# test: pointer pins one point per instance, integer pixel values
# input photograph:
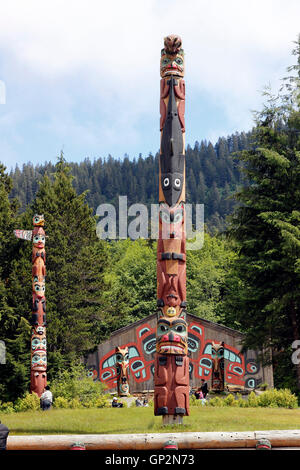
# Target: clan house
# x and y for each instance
(214, 355)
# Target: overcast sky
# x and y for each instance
(83, 76)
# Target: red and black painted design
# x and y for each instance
(241, 369)
(171, 377)
(38, 375)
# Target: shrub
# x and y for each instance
(75, 403)
(230, 400)
(30, 402)
(102, 402)
(240, 402)
(7, 407)
(283, 398)
(270, 398)
(216, 401)
(60, 402)
(252, 400)
(75, 384)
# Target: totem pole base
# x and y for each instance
(172, 419)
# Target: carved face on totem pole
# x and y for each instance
(217, 355)
(122, 364)
(39, 360)
(38, 338)
(171, 221)
(38, 238)
(38, 220)
(172, 333)
(172, 57)
(38, 287)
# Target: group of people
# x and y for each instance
(139, 402)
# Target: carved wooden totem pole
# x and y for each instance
(217, 375)
(122, 365)
(171, 396)
(38, 336)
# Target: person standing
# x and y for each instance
(204, 388)
(46, 398)
(4, 431)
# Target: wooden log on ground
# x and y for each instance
(184, 440)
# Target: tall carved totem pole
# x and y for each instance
(38, 379)
(171, 396)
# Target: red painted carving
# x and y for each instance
(217, 378)
(122, 363)
(171, 395)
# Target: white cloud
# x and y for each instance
(77, 55)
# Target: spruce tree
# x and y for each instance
(74, 264)
(266, 228)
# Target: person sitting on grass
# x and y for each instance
(145, 402)
(138, 402)
(116, 404)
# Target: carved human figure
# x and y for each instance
(217, 355)
(171, 257)
(171, 394)
(38, 381)
(38, 252)
(122, 366)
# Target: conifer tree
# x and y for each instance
(266, 227)
(75, 263)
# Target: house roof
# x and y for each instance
(190, 317)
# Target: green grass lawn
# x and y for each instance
(142, 420)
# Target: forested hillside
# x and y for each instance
(212, 175)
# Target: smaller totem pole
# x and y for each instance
(38, 336)
(217, 377)
(122, 364)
